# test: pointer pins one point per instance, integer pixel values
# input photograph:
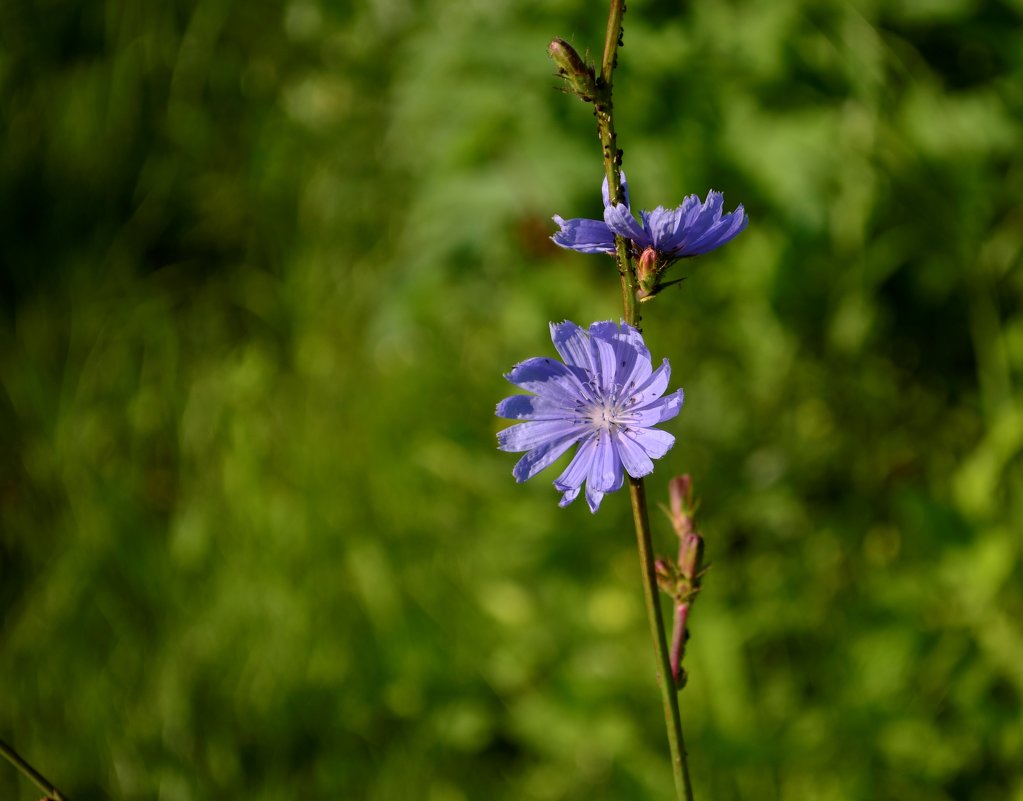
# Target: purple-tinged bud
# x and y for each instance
(690, 557)
(689, 570)
(646, 272)
(680, 494)
(577, 73)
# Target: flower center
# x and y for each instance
(602, 418)
(606, 412)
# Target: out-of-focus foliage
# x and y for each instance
(262, 268)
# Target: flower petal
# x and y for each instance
(606, 467)
(710, 212)
(620, 220)
(604, 364)
(605, 330)
(651, 389)
(633, 457)
(550, 379)
(532, 407)
(655, 442)
(693, 220)
(632, 358)
(725, 230)
(593, 498)
(540, 458)
(575, 474)
(634, 365)
(653, 414)
(703, 228)
(607, 195)
(573, 344)
(656, 412)
(585, 236)
(569, 496)
(661, 223)
(536, 433)
(688, 211)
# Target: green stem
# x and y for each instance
(31, 773)
(604, 111)
(627, 274)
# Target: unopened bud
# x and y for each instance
(690, 557)
(680, 495)
(667, 576)
(646, 272)
(577, 73)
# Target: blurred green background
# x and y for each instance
(263, 266)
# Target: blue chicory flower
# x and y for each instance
(606, 397)
(660, 237)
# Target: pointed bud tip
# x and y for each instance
(565, 56)
(577, 73)
(680, 492)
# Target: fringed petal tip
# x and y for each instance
(568, 496)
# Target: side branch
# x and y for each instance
(669, 694)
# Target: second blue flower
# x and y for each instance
(660, 237)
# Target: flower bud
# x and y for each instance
(576, 72)
(667, 576)
(646, 272)
(690, 558)
(680, 495)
